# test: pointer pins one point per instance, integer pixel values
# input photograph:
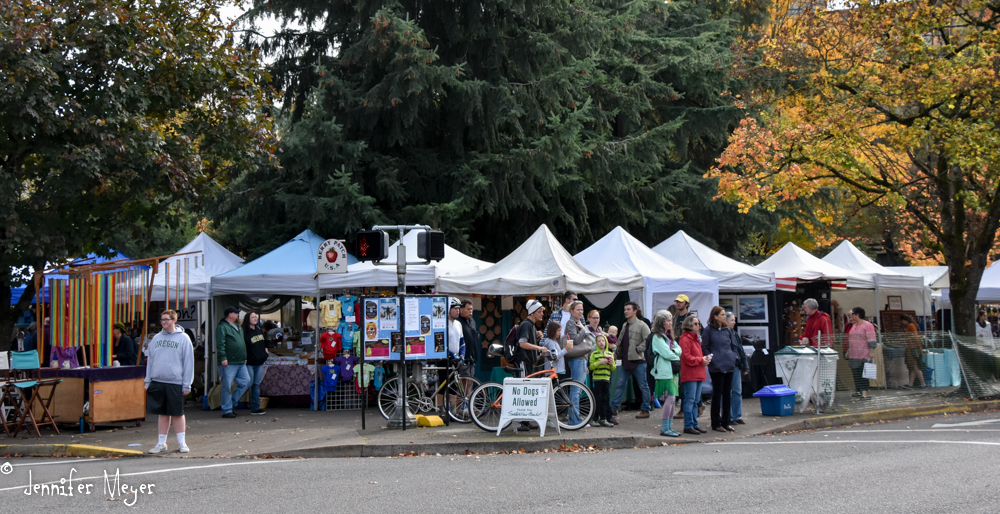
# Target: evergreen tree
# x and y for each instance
(489, 118)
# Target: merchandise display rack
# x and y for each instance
(344, 397)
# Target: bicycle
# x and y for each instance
(458, 388)
(486, 400)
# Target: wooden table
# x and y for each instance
(115, 394)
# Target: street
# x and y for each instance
(941, 464)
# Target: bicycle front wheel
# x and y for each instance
(459, 398)
(389, 394)
(485, 406)
(565, 392)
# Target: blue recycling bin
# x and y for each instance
(777, 400)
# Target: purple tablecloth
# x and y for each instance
(99, 374)
(286, 380)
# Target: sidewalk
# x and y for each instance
(302, 433)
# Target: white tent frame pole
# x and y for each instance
(878, 312)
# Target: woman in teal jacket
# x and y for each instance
(665, 350)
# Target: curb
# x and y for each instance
(474, 447)
(67, 450)
(885, 414)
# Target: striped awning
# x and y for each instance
(786, 284)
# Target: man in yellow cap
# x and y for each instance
(681, 303)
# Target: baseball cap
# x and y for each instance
(682, 298)
(230, 310)
(532, 306)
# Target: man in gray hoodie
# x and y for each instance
(169, 373)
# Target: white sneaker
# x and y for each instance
(158, 448)
(184, 448)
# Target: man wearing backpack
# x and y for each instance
(631, 351)
(527, 337)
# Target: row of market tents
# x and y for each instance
(541, 265)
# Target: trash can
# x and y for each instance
(797, 367)
(776, 400)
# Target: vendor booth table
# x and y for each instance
(286, 380)
(115, 394)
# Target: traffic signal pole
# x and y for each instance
(404, 417)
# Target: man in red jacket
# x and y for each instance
(819, 326)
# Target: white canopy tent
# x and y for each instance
(289, 269)
(914, 294)
(212, 259)
(733, 275)
(792, 263)
(989, 288)
(619, 255)
(367, 274)
(539, 266)
(935, 277)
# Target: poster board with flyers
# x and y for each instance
(422, 332)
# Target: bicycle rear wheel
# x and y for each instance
(563, 397)
(462, 390)
(389, 394)
(485, 406)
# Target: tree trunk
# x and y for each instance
(964, 288)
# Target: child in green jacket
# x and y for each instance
(602, 363)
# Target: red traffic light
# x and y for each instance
(372, 245)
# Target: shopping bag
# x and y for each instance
(870, 372)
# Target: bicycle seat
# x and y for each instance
(513, 370)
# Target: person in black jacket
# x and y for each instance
(719, 346)
(257, 352)
(126, 352)
(471, 334)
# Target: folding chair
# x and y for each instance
(25, 378)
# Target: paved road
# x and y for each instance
(943, 464)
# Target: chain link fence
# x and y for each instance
(904, 369)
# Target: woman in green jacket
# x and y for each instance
(665, 350)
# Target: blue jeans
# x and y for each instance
(229, 373)
(256, 375)
(577, 371)
(736, 409)
(692, 395)
(640, 376)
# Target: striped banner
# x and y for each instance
(786, 284)
(838, 285)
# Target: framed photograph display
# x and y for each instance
(726, 302)
(751, 309)
(895, 303)
(755, 336)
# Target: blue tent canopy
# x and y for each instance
(287, 270)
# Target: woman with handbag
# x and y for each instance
(577, 358)
(859, 344)
(666, 368)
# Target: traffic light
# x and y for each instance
(430, 245)
(373, 245)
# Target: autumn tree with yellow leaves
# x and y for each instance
(893, 104)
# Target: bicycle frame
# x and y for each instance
(545, 373)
